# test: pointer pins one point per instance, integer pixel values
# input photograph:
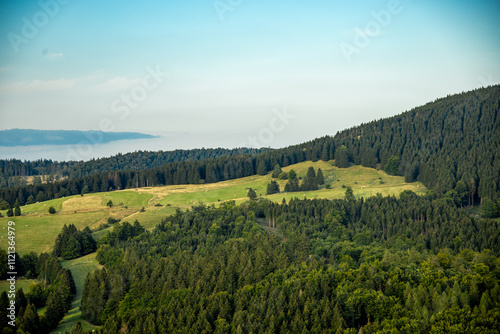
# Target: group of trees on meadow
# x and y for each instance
(72, 243)
(414, 264)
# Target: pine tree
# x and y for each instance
(292, 175)
(17, 209)
(252, 194)
(319, 177)
(261, 167)
(349, 194)
(462, 192)
(273, 188)
(310, 182)
(342, 157)
(30, 322)
(392, 166)
(292, 185)
(276, 172)
(489, 208)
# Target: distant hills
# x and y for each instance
(29, 137)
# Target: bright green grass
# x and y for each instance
(127, 198)
(79, 269)
(42, 207)
(34, 233)
(21, 283)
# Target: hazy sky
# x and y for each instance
(218, 73)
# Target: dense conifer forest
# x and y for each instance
(12, 170)
(413, 264)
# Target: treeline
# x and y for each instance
(414, 264)
(453, 139)
(12, 170)
(54, 290)
(187, 172)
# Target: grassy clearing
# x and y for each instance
(127, 198)
(79, 269)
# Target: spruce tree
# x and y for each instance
(392, 166)
(30, 322)
(342, 157)
(489, 208)
(349, 194)
(261, 167)
(319, 177)
(273, 188)
(276, 172)
(252, 194)
(292, 185)
(17, 211)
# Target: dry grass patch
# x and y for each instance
(82, 203)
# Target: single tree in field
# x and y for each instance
(319, 177)
(349, 194)
(276, 172)
(17, 209)
(10, 212)
(273, 188)
(52, 210)
(252, 194)
(110, 203)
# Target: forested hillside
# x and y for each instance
(414, 265)
(445, 141)
(448, 140)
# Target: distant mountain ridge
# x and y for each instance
(31, 137)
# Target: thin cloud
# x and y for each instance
(92, 81)
(118, 83)
(54, 56)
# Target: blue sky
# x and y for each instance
(232, 64)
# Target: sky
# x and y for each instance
(230, 73)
